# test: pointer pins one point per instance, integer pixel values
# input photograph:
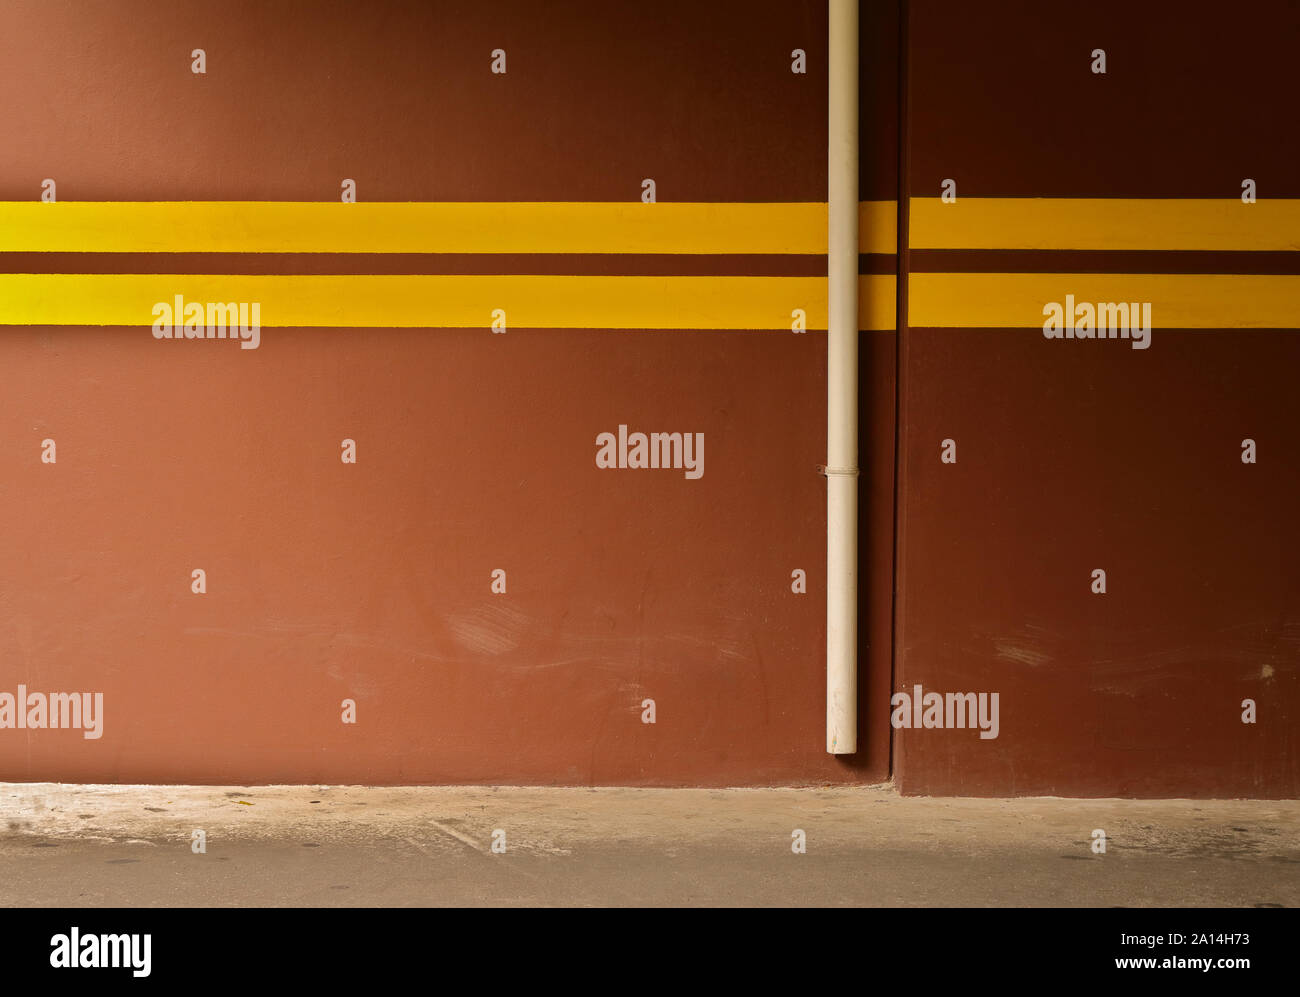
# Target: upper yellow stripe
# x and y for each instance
(1178, 301)
(1103, 223)
(877, 227)
(359, 300)
(431, 227)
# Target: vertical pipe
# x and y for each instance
(842, 384)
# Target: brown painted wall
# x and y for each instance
(1074, 456)
(475, 451)
(371, 581)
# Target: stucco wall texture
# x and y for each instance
(496, 606)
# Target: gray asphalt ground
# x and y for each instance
(305, 846)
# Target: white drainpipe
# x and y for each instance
(842, 385)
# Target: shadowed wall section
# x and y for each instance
(1075, 455)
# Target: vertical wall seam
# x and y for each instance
(900, 339)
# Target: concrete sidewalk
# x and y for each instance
(353, 846)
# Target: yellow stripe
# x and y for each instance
(1178, 301)
(1103, 223)
(430, 227)
(353, 301)
(877, 227)
(877, 302)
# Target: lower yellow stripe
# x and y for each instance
(1104, 223)
(352, 301)
(1178, 301)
